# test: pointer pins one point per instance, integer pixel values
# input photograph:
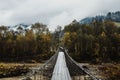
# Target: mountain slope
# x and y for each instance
(19, 27)
(113, 16)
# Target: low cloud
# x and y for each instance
(52, 12)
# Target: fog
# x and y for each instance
(52, 12)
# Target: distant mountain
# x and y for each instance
(113, 16)
(89, 20)
(19, 27)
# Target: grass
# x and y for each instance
(7, 65)
(117, 24)
(113, 72)
(14, 69)
(107, 70)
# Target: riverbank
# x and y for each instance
(107, 71)
(15, 69)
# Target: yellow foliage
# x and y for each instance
(46, 37)
(69, 38)
(103, 34)
(30, 35)
(20, 38)
(9, 41)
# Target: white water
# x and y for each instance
(61, 71)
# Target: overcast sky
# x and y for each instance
(52, 12)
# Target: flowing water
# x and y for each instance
(61, 71)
